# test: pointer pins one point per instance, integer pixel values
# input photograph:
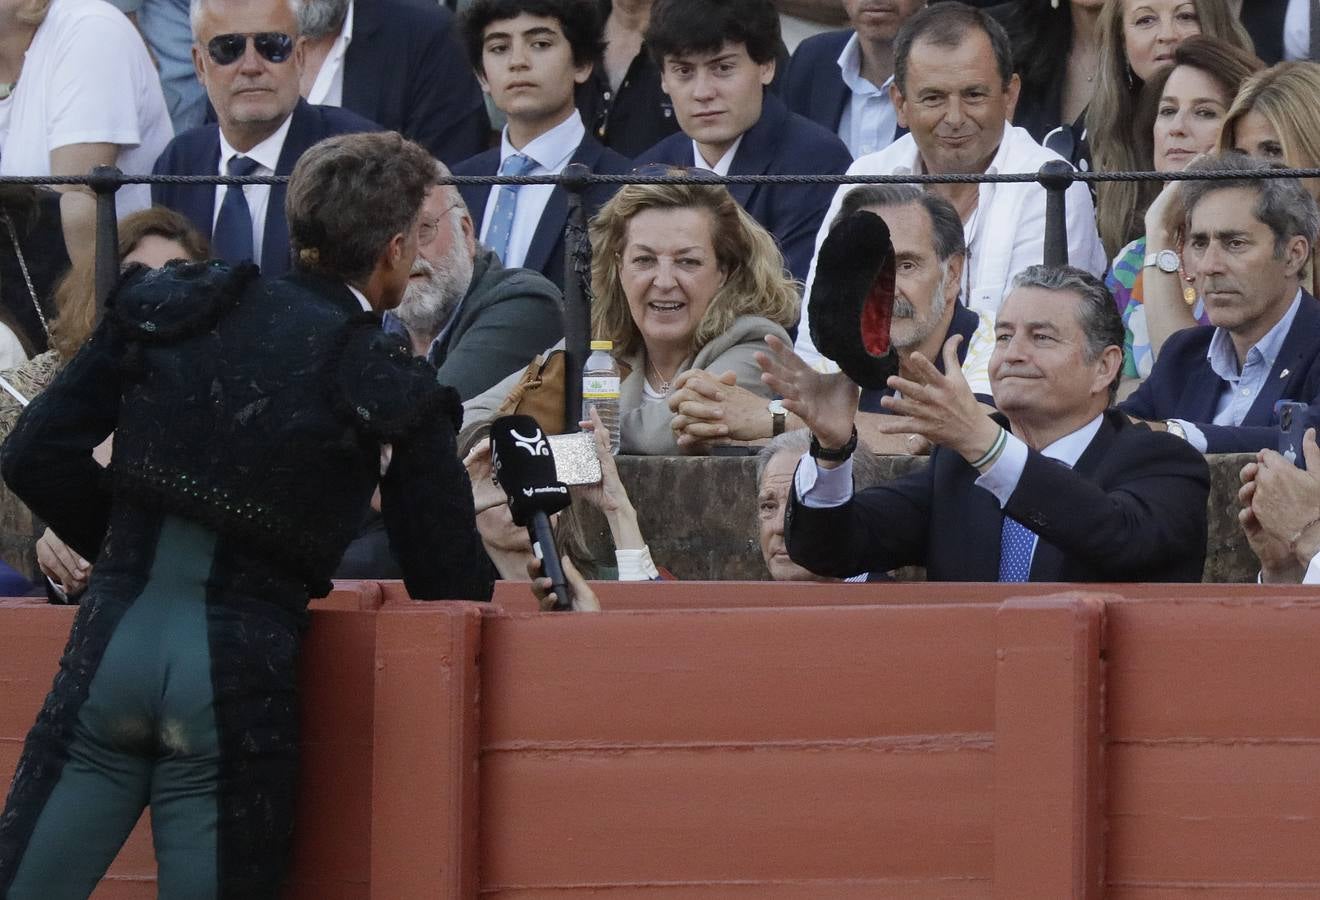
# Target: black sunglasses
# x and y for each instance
(274, 46)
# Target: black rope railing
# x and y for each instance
(1056, 177)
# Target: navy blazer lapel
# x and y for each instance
(275, 240)
(1298, 344)
(198, 203)
(829, 95)
(985, 522)
(476, 195)
(550, 229)
(363, 93)
(1200, 392)
(757, 150)
(1048, 560)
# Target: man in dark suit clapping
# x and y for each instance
(1057, 488)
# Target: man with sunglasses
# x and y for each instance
(249, 56)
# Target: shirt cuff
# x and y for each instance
(1002, 478)
(1312, 575)
(636, 565)
(823, 488)
(1195, 436)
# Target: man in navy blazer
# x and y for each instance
(841, 79)
(404, 68)
(1057, 488)
(1247, 243)
(530, 56)
(261, 121)
(715, 63)
(1265, 21)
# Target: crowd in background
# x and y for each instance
(1214, 289)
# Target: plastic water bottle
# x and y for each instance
(600, 388)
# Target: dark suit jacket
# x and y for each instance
(813, 85)
(1183, 386)
(197, 152)
(1263, 20)
(407, 70)
(546, 252)
(1133, 509)
(780, 143)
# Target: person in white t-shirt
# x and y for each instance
(78, 89)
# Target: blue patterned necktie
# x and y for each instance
(506, 204)
(1016, 543)
(232, 240)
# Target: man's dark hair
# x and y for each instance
(946, 227)
(580, 20)
(349, 195)
(680, 27)
(1096, 313)
(946, 25)
(1284, 204)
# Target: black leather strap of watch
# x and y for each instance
(839, 455)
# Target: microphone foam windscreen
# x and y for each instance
(524, 466)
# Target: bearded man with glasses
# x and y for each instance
(249, 56)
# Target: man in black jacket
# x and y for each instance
(1059, 489)
(234, 404)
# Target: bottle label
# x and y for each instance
(600, 387)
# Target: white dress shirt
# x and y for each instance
(267, 156)
(821, 488)
(1297, 30)
(328, 89)
(1004, 236)
(551, 151)
(869, 118)
(721, 167)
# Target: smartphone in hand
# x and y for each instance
(1292, 416)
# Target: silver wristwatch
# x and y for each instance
(1165, 260)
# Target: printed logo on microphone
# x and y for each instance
(535, 444)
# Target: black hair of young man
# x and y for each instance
(580, 20)
(681, 27)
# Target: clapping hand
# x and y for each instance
(827, 404)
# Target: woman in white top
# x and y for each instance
(77, 90)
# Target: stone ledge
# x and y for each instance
(699, 516)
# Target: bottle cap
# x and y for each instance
(602, 345)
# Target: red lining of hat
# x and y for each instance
(878, 312)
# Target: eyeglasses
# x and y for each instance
(273, 46)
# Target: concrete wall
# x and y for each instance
(703, 740)
(699, 516)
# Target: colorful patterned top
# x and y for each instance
(1124, 280)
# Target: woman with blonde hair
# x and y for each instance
(1137, 39)
(683, 279)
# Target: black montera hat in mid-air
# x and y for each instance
(852, 301)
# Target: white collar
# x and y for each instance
(850, 65)
(266, 153)
(722, 166)
(551, 150)
(1069, 448)
(361, 297)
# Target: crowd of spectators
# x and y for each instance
(708, 292)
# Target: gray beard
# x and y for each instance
(428, 304)
(318, 18)
(904, 310)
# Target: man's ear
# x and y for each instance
(582, 73)
(953, 276)
(767, 72)
(469, 234)
(899, 104)
(199, 63)
(1011, 94)
(1108, 366)
(1297, 251)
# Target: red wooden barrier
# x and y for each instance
(751, 740)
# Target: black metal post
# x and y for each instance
(1056, 176)
(106, 180)
(577, 306)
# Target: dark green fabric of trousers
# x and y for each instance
(146, 734)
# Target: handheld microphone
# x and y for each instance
(524, 466)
